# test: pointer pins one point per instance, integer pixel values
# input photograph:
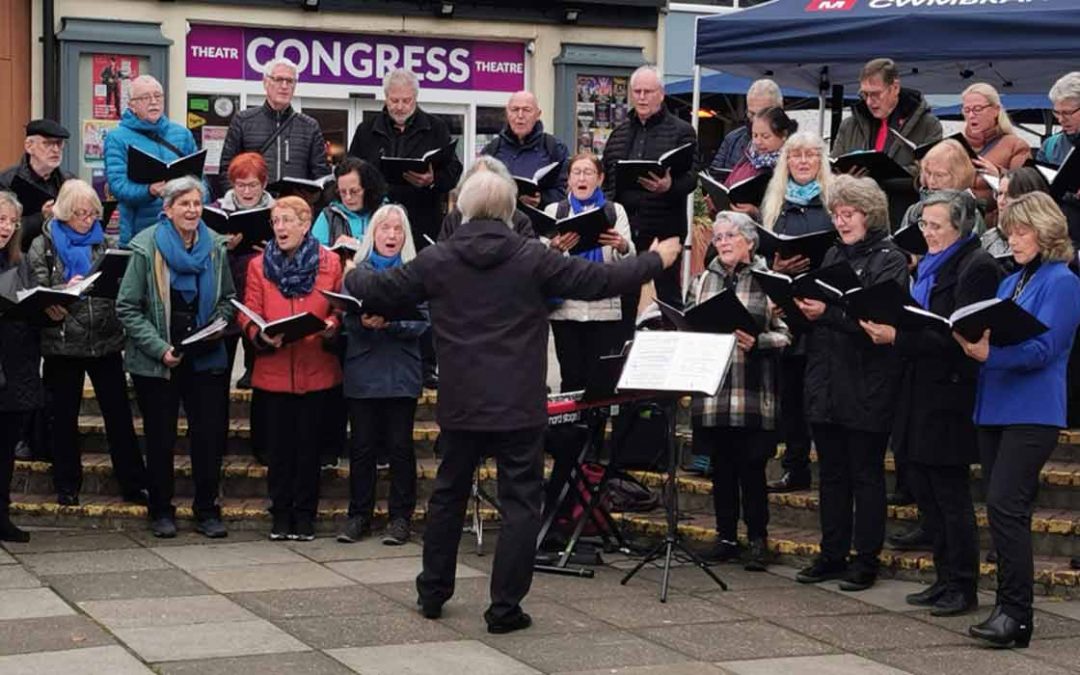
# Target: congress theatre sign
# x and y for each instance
(240, 52)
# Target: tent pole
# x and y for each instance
(695, 107)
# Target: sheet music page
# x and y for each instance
(678, 362)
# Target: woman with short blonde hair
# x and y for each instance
(73, 195)
(1039, 212)
(989, 132)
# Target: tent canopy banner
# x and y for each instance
(941, 46)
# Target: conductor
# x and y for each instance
(487, 289)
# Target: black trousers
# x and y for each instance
(519, 460)
(205, 397)
(580, 344)
(1012, 457)
(11, 432)
(668, 283)
(292, 438)
(64, 378)
(738, 476)
(796, 459)
(944, 497)
(851, 464)
(382, 426)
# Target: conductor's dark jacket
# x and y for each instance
(487, 289)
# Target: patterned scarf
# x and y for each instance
(74, 249)
(294, 276)
(802, 194)
(762, 160)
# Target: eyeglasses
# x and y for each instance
(9, 221)
(927, 226)
(872, 95)
(975, 109)
(282, 81)
(247, 185)
(285, 219)
(84, 213)
(521, 110)
(351, 192)
(56, 143)
(156, 98)
(846, 215)
(725, 236)
(588, 173)
(805, 154)
(1061, 114)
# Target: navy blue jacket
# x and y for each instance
(524, 158)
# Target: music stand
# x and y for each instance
(673, 364)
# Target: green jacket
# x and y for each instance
(91, 328)
(913, 118)
(143, 303)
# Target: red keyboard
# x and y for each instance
(567, 408)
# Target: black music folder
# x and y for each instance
(722, 313)
(394, 168)
(749, 191)
(299, 187)
(346, 303)
(30, 303)
(919, 151)
(628, 171)
(543, 178)
(827, 284)
(1008, 323)
(911, 239)
(877, 165)
(202, 337)
(883, 302)
(295, 327)
(589, 225)
(811, 246)
(254, 224)
(1063, 179)
(112, 266)
(32, 197)
(146, 169)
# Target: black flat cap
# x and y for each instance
(47, 128)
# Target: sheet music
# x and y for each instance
(677, 362)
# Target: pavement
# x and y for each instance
(121, 603)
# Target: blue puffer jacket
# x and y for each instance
(138, 208)
(383, 363)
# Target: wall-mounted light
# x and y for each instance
(310, 5)
(445, 10)
(571, 15)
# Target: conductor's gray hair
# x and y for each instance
(181, 186)
(485, 163)
(1066, 88)
(487, 196)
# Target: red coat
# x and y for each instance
(305, 365)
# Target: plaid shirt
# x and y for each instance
(749, 396)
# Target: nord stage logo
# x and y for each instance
(830, 5)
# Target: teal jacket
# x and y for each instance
(143, 302)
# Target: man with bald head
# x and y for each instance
(523, 146)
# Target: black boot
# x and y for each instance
(915, 539)
(757, 556)
(1004, 631)
(1075, 562)
(955, 603)
(9, 532)
(928, 596)
(994, 613)
(789, 482)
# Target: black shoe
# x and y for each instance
(928, 596)
(303, 531)
(915, 539)
(994, 613)
(211, 528)
(356, 529)
(520, 622)
(23, 451)
(900, 498)
(67, 499)
(397, 532)
(10, 532)
(279, 531)
(991, 556)
(1075, 563)
(431, 381)
(757, 556)
(429, 610)
(245, 380)
(329, 463)
(821, 570)
(858, 578)
(382, 463)
(163, 528)
(955, 603)
(789, 483)
(138, 497)
(1004, 631)
(722, 551)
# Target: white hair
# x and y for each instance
(766, 88)
(367, 244)
(148, 80)
(485, 163)
(181, 186)
(647, 69)
(401, 76)
(743, 223)
(268, 69)
(487, 196)
(1068, 87)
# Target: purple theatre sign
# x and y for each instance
(239, 53)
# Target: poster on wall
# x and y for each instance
(93, 138)
(601, 105)
(101, 186)
(208, 117)
(112, 74)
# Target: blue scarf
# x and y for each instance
(595, 200)
(381, 262)
(294, 276)
(802, 194)
(192, 275)
(762, 160)
(74, 249)
(928, 269)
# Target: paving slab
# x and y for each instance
(1064, 652)
(389, 572)
(833, 664)
(187, 536)
(21, 636)
(577, 651)
(123, 585)
(886, 594)
(89, 562)
(1046, 625)
(735, 641)
(346, 601)
(969, 659)
(687, 668)
(208, 640)
(790, 601)
(1069, 609)
(208, 556)
(692, 580)
(635, 612)
(301, 663)
(6, 558)
(328, 549)
(89, 661)
(72, 540)
(31, 603)
(401, 626)
(471, 590)
(252, 578)
(548, 617)
(465, 657)
(871, 631)
(156, 612)
(604, 585)
(16, 576)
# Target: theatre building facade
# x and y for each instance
(469, 57)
